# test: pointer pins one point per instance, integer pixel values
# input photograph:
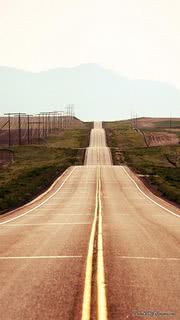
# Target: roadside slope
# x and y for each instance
(35, 167)
(157, 166)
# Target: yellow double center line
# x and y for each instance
(101, 291)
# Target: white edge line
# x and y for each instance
(149, 258)
(61, 214)
(159, 205)
(38, 198)
(39, 257)
(23, 214)
(48, 224)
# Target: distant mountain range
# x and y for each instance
(97, 93)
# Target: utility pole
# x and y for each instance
(19, 114)
(45, 116)
(58, 117)
(131, 121)
(43, 125)
(39, 128)
(62, 119)
(136, 122)
(48, 123)
(69, 114)
(51, 120)
(28, 128)
(19, 125)
(170, 122)
(37, 123)
(9, 128)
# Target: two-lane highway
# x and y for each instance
(98, 153)
(96, 245)
(141, 243)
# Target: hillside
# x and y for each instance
(157, 163)
(96, 92)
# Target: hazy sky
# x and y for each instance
(136, 38)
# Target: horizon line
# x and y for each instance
(90, 64)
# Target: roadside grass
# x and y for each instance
(75, 138)
(117, 124)
(35, 167)
(121, 135)
(154, 164)
(159, 166)
(167, 124)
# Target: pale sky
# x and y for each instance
(136, 38)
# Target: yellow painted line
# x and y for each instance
(102, 313)
(101, 290)
(86, 307)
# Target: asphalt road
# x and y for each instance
(141, 251)
(98, 153)
(95, 246)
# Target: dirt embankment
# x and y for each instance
(160, 138)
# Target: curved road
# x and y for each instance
(97, 245)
